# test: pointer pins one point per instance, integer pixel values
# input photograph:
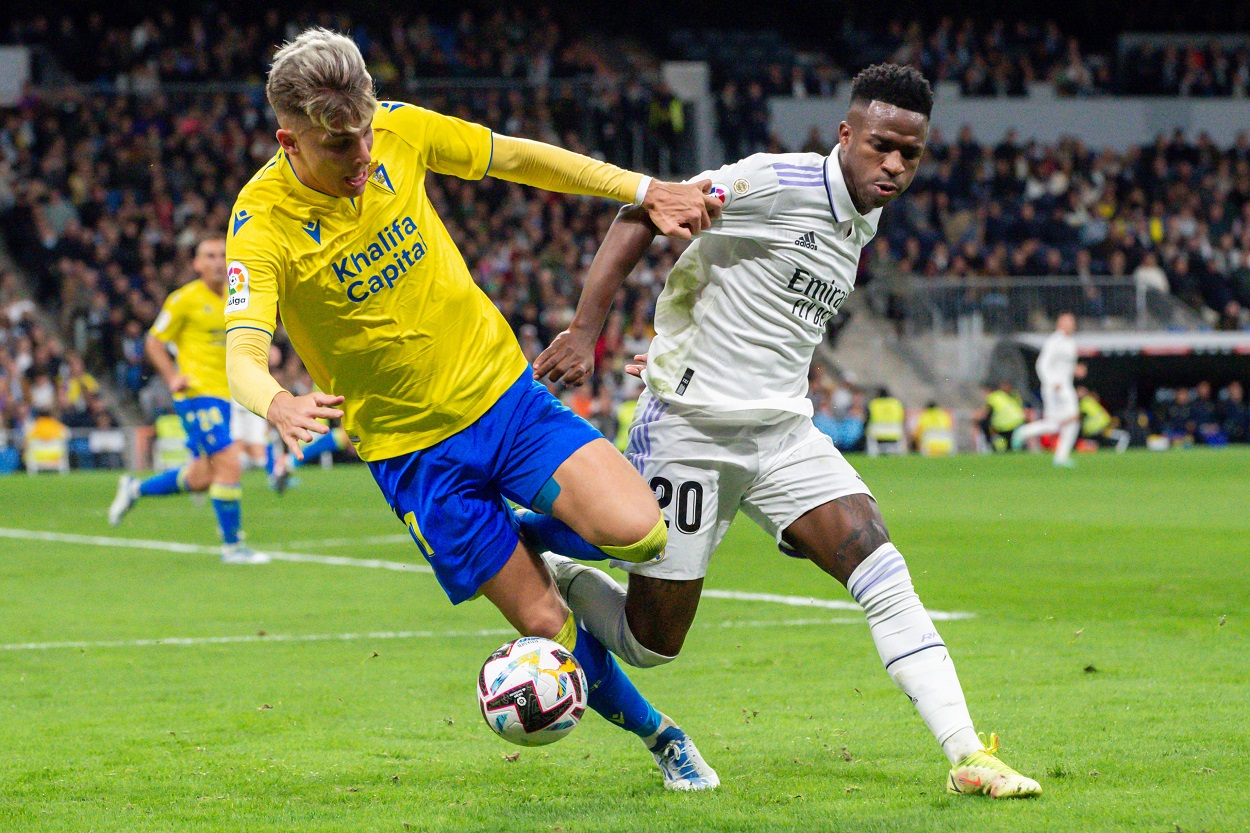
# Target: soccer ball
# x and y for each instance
(532, 692)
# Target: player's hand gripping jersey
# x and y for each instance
(376, 299)
(746, 304)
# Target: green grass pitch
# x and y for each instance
(1109, 650)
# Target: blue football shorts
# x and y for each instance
(206, 420)
(451, 495)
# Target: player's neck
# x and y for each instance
(846, 183)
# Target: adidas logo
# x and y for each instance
(807, 241)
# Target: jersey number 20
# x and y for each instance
(688, 514)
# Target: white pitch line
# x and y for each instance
(377, 564)
(827, 604)
(184, 642)
(346, 542)
(199, 549)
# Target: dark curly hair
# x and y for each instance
(902, 86)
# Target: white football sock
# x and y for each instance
(1038, 428)
(598, 602)
(1067, 439)
(911, 649)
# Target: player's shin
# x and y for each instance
(912, 650)
(599, 604)
(169, 482)
(1068, 434)
(610, 692)
(226, 503)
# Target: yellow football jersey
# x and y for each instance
(192, 321)
(376, 298)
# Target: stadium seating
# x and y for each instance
(110, 183)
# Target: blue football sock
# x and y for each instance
(314, 450)
(554, 535)
(166, 483)
(611, 693)
(269, 458)
(229, 511)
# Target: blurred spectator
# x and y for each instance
(1002, 414)
(1234, 414)
(935, 431)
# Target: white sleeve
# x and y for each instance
(748, 190)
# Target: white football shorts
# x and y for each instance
(246, 427)
(1060, 405)
(705, 468)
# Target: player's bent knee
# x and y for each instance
(549, 624)
(636, 654)
(656, 647)
(649, 547)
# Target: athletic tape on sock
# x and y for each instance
(568, 634)
(646, 549)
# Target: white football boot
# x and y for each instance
(127, 494)
(679, 760)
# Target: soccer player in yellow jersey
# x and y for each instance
(192, 322)
(337, 234)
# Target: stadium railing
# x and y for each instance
(943, 306)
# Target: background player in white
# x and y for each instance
(1057, 367)
(725, 424)
(251, 434)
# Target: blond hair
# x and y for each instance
(321, 76)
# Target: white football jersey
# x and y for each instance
(1056, 364)
(746, 304)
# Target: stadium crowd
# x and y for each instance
(1174, 216)
(102, 195)
(39, 377)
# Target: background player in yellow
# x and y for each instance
(192, 321)
(337, 234)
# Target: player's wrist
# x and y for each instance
(584, 330)
(640, 193)
(278, 401)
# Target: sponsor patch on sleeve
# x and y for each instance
(722, 193)
(238, 287)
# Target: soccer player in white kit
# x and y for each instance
(725, 424)
(1057, 368)
(251, 433)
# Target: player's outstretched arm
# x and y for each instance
(252, 386)
(571, 356)
(678, 210)
(158, 355)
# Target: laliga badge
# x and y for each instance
(238, 286)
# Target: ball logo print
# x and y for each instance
(238, 286)
(531, 691)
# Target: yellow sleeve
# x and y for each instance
(247, 369)
(168, 323)
(252, 274)
(446, 145)
(555, 169)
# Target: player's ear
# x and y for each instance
(844, 133)
(288, 141)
